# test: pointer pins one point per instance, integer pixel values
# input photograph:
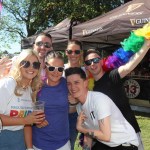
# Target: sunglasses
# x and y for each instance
(46, 44)
(77, 52)
(52, 68)
(94, 60)
(26, 64)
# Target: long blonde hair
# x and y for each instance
(16, 73)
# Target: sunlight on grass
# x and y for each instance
(144, 123)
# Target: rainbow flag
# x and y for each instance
(1, 5)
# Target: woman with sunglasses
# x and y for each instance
(42, 44)
(17, 91)
(74, 55)
(53, 133)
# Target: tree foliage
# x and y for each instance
(23, 18)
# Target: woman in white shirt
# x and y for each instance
(17, 91)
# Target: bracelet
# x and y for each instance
(30, 149)
(73, 104)
(90, 134)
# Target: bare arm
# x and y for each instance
(134, 60)
(28, 136)
(104, 132)
(34, 117)
(72, 109)
(72, 104)
(87, 143)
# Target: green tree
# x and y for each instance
(23, 18)
(26, 17)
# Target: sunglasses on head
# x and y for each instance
(77, 52)
(26, 64)
(94, 60)
(46, 44)
(52, 68)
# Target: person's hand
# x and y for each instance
(5, 65)
(42, 124)
(80, 121)
(148, 43)
(36, 117)
(72, 100)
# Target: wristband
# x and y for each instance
(30, 149)
(73, 104)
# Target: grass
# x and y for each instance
(144, 123)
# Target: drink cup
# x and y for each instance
(39, 106)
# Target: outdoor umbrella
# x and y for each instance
(114, 26)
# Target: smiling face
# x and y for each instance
(54, 75)
(43, 47)
(28, 73)
(73, 58)
(77, 87)
(94, 68)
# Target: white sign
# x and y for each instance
(132, 88)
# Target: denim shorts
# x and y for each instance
(12, 140)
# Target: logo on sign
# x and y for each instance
(139, 21)
(132, 88)
(133, 7)
(90, 31)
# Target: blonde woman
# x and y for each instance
(17, 91)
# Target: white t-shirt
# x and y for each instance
(12, 105)
(99, 106)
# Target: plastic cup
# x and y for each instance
(38, 106)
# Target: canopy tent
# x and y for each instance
(114, 26)
(104, 31)
(60, 35)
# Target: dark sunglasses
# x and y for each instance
(77, 52)
(46, 44)
(94, 60)
(26, 64)
(52, 68)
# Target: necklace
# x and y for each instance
(25, 86)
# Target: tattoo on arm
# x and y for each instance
(86, 147)
(102, 121)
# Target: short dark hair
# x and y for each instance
(75, 70)
(43, 34)
(90, 51)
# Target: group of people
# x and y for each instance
(103, 115)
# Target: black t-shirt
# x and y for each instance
(112, 85)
